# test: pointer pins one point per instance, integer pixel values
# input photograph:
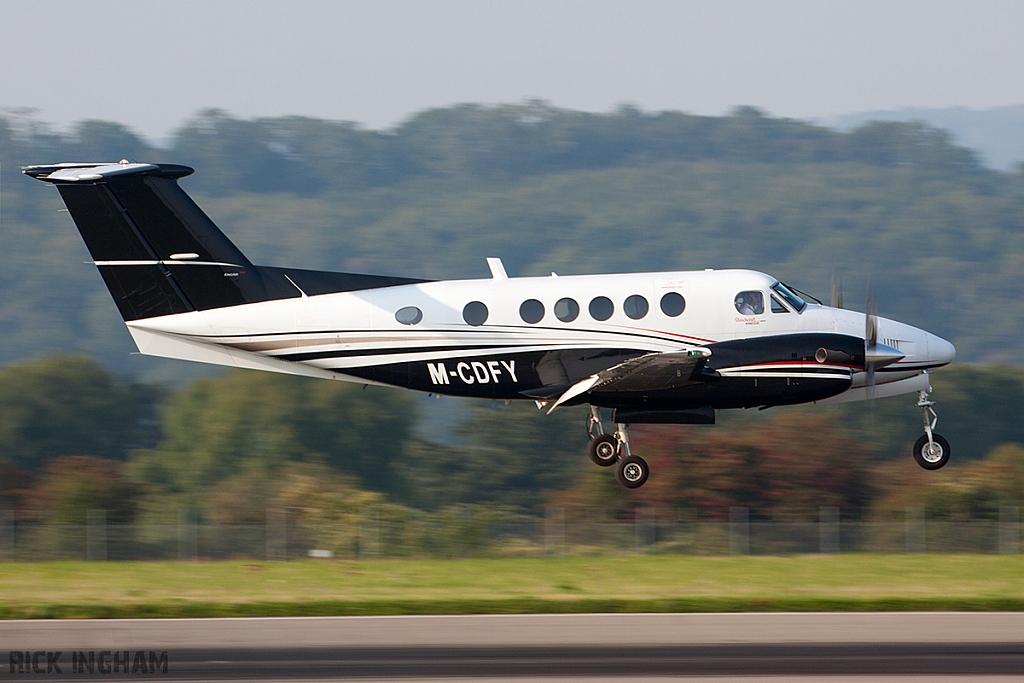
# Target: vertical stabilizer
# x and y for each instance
(158, 253)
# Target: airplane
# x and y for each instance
(664, 347)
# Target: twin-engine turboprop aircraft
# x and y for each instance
(671, 347)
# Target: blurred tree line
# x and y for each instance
(938, 234)
(75, 437)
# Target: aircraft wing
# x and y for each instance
(649, 372)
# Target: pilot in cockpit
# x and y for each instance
(749, 303)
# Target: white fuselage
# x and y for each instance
(341, 335)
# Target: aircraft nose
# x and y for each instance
(940, 350)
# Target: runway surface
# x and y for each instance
(606, 646)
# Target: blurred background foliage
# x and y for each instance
(233, 446)
(939, 236)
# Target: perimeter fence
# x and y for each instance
(462, 533)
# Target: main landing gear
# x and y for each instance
(608, 449)
(932, 450)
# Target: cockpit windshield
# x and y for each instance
(790, 297)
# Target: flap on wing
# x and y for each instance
(654, 371)
(644, 373)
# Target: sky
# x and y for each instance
(152, 65)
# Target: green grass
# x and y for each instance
(572, 584)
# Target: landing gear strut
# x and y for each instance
(609, 449)
(932, 450)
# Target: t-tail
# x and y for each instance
(159, 254)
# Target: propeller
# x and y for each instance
(876, 355)
(870, 340)
(837, 290)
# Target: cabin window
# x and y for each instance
(475, 313)
(410, 315)
(673, 304)
(777, 306)
(601, 308)
(749, 303)
(531, 311)
(635, 307)
(567, 310)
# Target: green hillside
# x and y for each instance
(940, 237)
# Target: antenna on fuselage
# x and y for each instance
(304, 295)
(497, 268)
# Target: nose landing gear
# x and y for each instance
(931, 450)
(608, 449)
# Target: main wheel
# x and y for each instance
(931, 456)
(632, 472)
(603, 450)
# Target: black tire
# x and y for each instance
(603, 450)
(934, 458)
(632, 472)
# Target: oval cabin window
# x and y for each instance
(635, 307)
(410, 315)
(601, 308)
(673, 304)
(475, 313)
(567, 310)
(531, 311)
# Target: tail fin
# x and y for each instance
(157, 251)
(159, 254)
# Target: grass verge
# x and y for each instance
(510, 586)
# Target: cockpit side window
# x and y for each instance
(749, 303)
(789, 297)
(777, 306)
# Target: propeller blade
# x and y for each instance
(876, 355)
(870, 321)
(837, 290)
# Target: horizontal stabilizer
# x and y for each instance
(85, 172)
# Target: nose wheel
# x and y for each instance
(931, 451)
(933, 454)
(608, 449)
